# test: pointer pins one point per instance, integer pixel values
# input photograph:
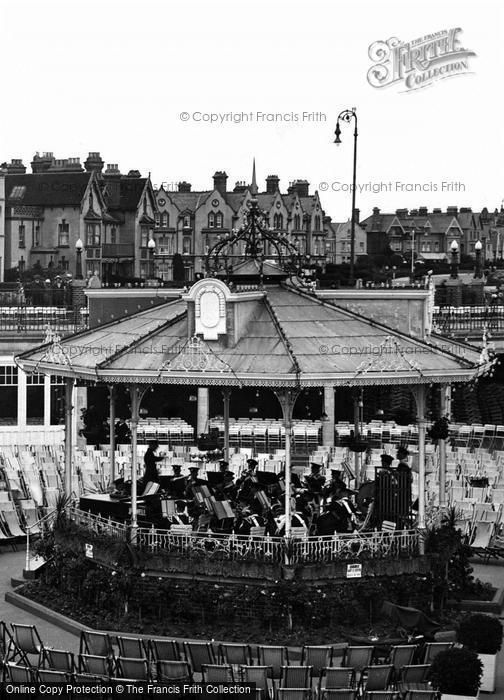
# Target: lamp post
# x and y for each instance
(346, 116)
(151, 245)
(454, 261)
(478, 271)
(413, 231)
(78, 262)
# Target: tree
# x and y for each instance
(178, 268)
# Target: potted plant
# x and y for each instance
(456, 674)
(483, 634)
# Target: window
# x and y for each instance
(187, 221)
(113, 235)
(277, 221)
(36, 236)
(297, 222)
(165, 220)
(64, 263)
(8, 376)
(92, 234)
(144, 236)
(219, 220)
(21, 236)
(63, 233)
(21, 264)
(317, 223)
(157, 219)
(186, 245)
(18, 192)
(436, 246)
(361, 245)
(211, 220)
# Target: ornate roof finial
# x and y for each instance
(253, 186)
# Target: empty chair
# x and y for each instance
(165, 650)
(59, 660)
(432, 649)
(10, 518)
(338, 694)
(26, 641)
(318, 657)
(376, 677)
(48, 675)
(258, 675)
(96, 643)
(133, 648)
(95, 665)
(173, 671)
(296, 677)
(132, 668)
(339, 677)
(217, 673)
(18, 674)
(294, 694)
(236, 654)
(339, 653)
(401, 655)
(379, 695)
(87, 679)
(358, 657)
(413, 677)
(276, 657)
(199, 653)
(421, 695)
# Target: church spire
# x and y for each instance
(253, 186)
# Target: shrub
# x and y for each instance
(481, 633)
(456, 671)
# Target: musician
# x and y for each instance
(386, 461)
(297, 520)
(343, 510)
(177, 483)
(122, 432)
(244, 483)
(150, 460)
(335, 484)
(246, 520)
(315, 481)
(402, 456)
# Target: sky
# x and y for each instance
(183, 88)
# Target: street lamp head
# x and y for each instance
(337, 133)
(478, 246)
(79, 245)
(151, 244)
(454, 247)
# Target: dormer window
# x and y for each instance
(317, 223)
(297, 222)
(277, 221)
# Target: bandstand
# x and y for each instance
(255, 323)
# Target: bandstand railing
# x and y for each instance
(398, 544)
(469, 319)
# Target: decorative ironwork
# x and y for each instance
(196, 356)
(55, 353)
(389, 357)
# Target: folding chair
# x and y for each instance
(96, 665)
(133, 648)
(318, 657)
(339, 677)
(432, 649)
(259, 675)
(173, 671)
(58, 660)
(236, 654)
(401, 655)
(26, 641)
(358, 657)
(338, 694)
(294, 694)
(18, 674)
(296, 677)
(47, 675)
(217, 673)
(6, 641)
(133, 669)
(95, 643)
(165, 650)
(376, 678)
(413, 677)
(198, 654)
(275, 657)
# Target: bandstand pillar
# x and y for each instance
(442, 448)
(203, 410)
(226, 395)
(69, 387)
(329, 410)
(357, 406)
(135, 408)
(112, 419)
(419, 393)
(287, 399)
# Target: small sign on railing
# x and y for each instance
(354, 571)
(88, 549)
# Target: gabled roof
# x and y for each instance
(57, 189)
(131, 192)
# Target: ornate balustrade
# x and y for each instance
(400, 544)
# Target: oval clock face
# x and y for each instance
(215, 203)
(210, 309)
(161, 202)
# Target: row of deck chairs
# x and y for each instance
(354, 670)
(13, 522)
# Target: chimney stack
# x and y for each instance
(356, 215)
(301, 187)
(112, 177)
(41, 163)
(219, 180)
(423, 211)
(184, 186)
(16, 167)
(94, 162)
(272, 184)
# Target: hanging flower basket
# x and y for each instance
(358, 446)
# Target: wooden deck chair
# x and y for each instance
(338, 694)
(481, 537)
(340, 677)
(318, 657)
(96, 665)
(401, 655)
(235, 654)
(198, 654)
(27, 641)
(133, 669)
(413, 677)
(30, 515)
(294, 693)
(165, 650)
(358, 657)
(168, 671)
(132, 647)
(48, 675)
(296, 677)
(258, 675)
(376, 678)
(96, 643)
(432, 649)
(274, 656)
(217, 673)
(58, 660)
(10, 518)
(421, 695)
(18, 674)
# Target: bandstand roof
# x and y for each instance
(285, 336)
